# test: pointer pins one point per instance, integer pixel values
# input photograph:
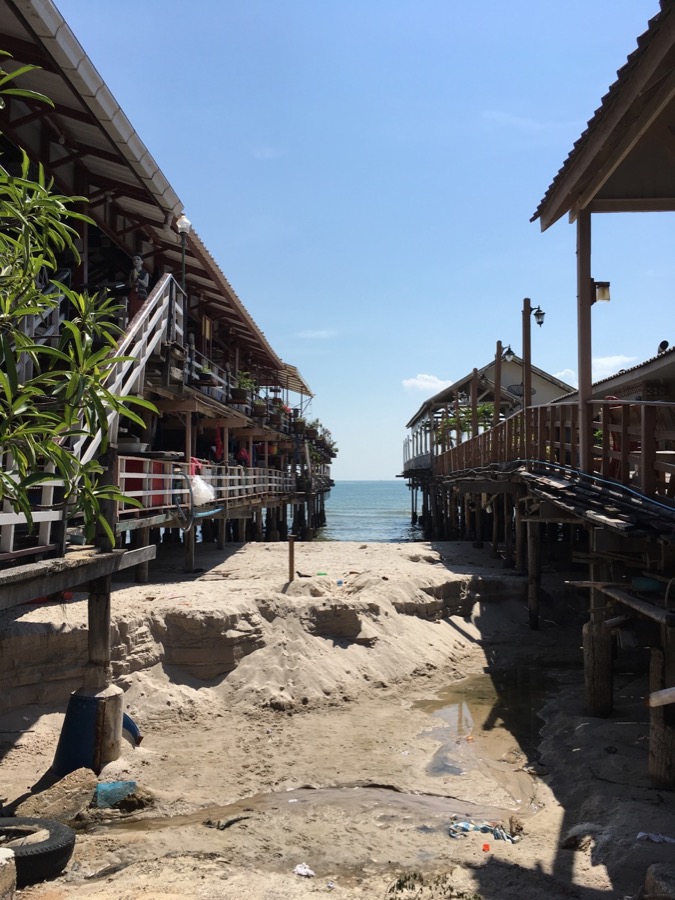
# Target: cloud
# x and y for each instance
(319, 334)
(604, 366)
(261, 152)
(428, 384)
(569, 376)
(522, 124)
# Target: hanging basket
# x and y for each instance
(238, 395)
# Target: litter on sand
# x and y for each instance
(460, 830)
(656, 838)
(304, 870)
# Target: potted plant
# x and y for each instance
(245, 384)
(259, 408)
(312, 429)
(299, 425)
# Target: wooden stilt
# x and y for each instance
(478, 521)
(189, 536)
(495, 526)
(520, 541)
(508, 532)
(533, 573)
(597, 641)
(661, 720)
(141, 571)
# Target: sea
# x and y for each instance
(369, 511)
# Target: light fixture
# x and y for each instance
(508, 355)
(183, 224)
(539, 315)
(600, 291)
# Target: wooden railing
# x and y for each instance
(634, 443)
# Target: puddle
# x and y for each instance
(487, 723)
(386, 802)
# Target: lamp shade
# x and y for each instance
(539, 315)
(601, 291)
(183, 224)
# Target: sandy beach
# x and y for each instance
(343, 724)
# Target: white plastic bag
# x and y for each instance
(202, 491)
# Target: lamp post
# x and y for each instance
(527, 358)
(183, 226)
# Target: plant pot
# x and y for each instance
(238, 395)
(275, 419)
(298, 427)
(259, 410)
(312, 433)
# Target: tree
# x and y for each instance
(51, 392)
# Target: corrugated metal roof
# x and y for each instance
(607, 105)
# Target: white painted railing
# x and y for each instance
(162, 486)
(148, 330)
(160, 319)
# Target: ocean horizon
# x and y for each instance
(365, 510)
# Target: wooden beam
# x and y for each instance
(50, 576)
(663, 697)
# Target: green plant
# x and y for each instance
(245, 381)
(51, 394)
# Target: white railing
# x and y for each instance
(148, 330)
(162, 486)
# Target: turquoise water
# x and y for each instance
(369, 511)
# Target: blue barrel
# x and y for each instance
(77, 742)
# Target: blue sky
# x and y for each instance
(364, 172)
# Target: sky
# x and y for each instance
(365, 171)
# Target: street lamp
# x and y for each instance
(183, 226)
(527, 360)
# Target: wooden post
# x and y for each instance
(497, 385)
(474, 403)
(662, 718)
(508, 532)
(478, 521)
(291, 557)
(648, 451)
(533, 573)
(520, 539)
(597, 642)
(142, 569)
(99, 629)
(495, 504)
(584, 347)
(189, 536)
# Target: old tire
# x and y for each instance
(44, 858)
